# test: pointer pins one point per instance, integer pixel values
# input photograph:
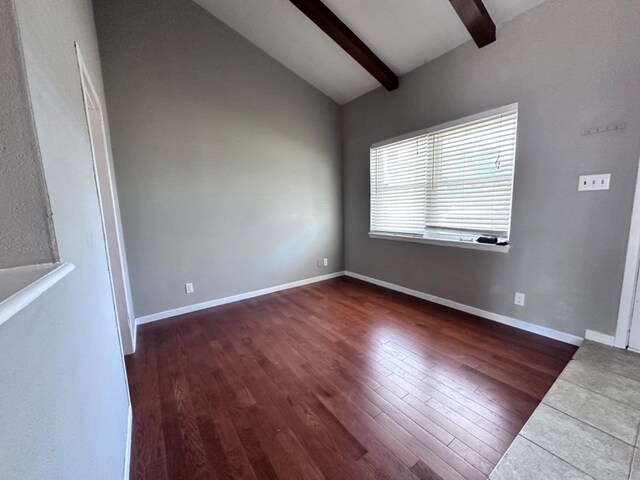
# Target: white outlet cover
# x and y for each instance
(188, 287)
(589, 183)
(519, 299)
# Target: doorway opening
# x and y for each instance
(114, 244)
(628, 329)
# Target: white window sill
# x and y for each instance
(443, 243)
(22, 285)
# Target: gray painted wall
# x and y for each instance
(26, 235)
(571, 64)
(64, 400)
(228, 165)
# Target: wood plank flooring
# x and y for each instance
(335, 380)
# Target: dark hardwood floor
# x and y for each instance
(338, 379)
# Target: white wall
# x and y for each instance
(64, 398)
(26, 235)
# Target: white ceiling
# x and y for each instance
(403, 33)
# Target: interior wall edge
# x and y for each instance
(236, 183)
(571, 272)
(496, 317)
(234, 298)
(600, 337)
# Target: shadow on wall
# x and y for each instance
(26, 235)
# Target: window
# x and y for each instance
(453, 182)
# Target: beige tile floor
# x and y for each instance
(586, 426)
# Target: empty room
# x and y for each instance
(305, 239)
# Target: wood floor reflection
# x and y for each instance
(335, 380)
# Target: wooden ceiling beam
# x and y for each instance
(476, 18)
(330, 24)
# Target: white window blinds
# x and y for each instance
(452, 179)
(399, 186)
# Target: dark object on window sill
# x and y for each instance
(491, 240)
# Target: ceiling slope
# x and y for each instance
(330, 24)
(403, 34)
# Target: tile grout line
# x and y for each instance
(635, 453)
(635, 450)
(587, 424)
(602, 369)
(556, 456)
(560, 377)
(633, 461)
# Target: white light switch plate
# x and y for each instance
(594, 182)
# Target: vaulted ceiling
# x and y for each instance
(404, 34)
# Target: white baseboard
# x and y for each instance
(235, 298)
(134, 334)
(598, 337)
(513, 322)
(127, 454)
(520, 324)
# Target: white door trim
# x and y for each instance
(630, 279)
(114, 244)
(110, 230)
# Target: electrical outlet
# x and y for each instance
(323, 262)
(188, 287)
(519, 299)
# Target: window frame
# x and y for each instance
(464, 240)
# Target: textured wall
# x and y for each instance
(228, 165)
(26, 235)
(570, 67)
(64, 399)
